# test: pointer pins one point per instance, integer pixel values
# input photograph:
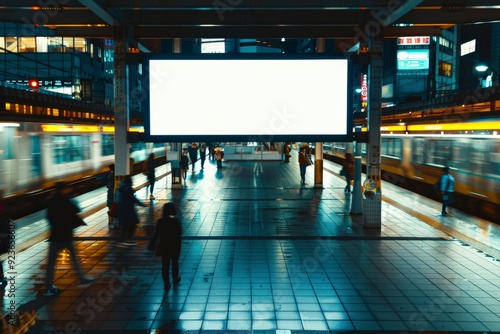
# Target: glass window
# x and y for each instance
(418, 146)
(56, 44)
(11, 44)
(70, 148)
(108, 145)
(445, 69)
(2, 44)
(75, 44)
(27, 44)
(392, 147)
(438, 152)
(42, 44)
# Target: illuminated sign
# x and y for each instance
(413, 59)
(364, 91)
(213, 45)
(414, 40)
(247, 97)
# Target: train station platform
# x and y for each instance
(263, 253)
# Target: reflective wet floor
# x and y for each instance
(261, 252)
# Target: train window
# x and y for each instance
(392, 147)
(478, 156)
(418, 149)
(108, 145)
(438, 152)
(7, 136)
(70, 148)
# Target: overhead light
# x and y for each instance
(481, 68)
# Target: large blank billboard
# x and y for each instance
(256, 98)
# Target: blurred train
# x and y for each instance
(415, 161)
(35, 155)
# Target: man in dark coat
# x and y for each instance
(62, 214)
(125, 209)
(168, 230)
(193, 155)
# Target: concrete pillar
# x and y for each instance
(372, 205)
(121, 105)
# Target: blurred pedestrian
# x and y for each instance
(348, 171)
(62, 215)
(193, 155)
(447, 188)
(203, 154)
(150, 171)
(168, 231)
(219, 155)
(125, 209)
(184, 163)
(4, 236)
(304, 161)
(111, 195)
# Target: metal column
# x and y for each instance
(318, 147)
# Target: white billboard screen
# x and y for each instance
(218, 98)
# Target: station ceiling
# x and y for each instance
(147, 21)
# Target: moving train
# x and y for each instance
(35, 155)
(416, 161)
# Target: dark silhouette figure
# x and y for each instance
(184, 163)
(348, 171)
(304, 161)
(193, 155)
(150, 171)
(168, 231)
(63, 217)
(203, 154)
(125, 209)
(4, 236)
(111, 192)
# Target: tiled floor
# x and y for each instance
(262, 252)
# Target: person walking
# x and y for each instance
(219, 155)
(151, 167)
(193, 155)
(203, 154)
(348, 171)
(5, 237)
(447, 188)
(62, 215)
(168, 231)
(125, 209)
(111, 194)
(184, 163)
(304, 161)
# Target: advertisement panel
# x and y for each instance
(218, 97)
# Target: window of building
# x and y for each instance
(56, 44)
(11, 44)
(27, 44)
(2, 44)
(42, 44)
(446, 46)
(445, 69)
(75, 44)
